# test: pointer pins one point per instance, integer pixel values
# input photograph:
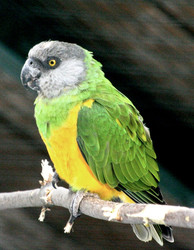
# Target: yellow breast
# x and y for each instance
(69, 162)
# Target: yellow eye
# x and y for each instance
(52, 62)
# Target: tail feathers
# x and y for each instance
(167, 233)
(146, 233)
(142, 232)
(158, 232)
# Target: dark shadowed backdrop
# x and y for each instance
(146, 48)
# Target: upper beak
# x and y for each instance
(30, 74)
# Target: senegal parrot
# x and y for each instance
(94, 135)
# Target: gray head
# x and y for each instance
(53, 67)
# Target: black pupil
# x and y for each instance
(52, 62)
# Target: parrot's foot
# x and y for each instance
(75, 208)
(55, 180)
(113, 213)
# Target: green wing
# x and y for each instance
(118, 148)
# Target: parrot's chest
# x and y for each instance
(62, 146)
(64, 151)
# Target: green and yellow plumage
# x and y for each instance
(97, 140)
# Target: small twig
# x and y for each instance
(43, 213)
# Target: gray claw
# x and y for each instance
(55, 180)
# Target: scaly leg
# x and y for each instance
(75, 208)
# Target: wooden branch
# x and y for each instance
(100, 209)
(93, 206)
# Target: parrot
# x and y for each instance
(94, 135)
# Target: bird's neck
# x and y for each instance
(53, 112)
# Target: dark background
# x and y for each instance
(146, 48)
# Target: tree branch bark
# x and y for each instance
(95, 207)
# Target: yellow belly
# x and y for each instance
(69, 162)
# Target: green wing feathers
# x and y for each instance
(117, 146)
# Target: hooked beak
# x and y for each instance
(30, 74)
